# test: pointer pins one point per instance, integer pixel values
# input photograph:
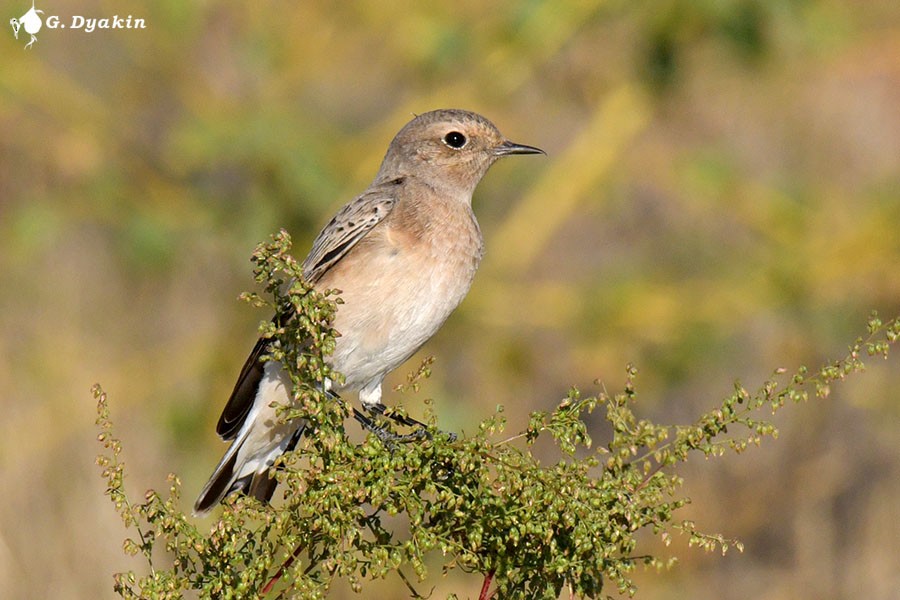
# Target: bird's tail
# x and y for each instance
(237, 473)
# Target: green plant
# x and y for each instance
(482, 503)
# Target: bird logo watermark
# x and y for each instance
(31, 22)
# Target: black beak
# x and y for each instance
(507, 148)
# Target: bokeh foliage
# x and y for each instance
(721, 197)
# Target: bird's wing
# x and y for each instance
(243, 394)
(348, 227)
(345, 230)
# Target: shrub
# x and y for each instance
(482, 503)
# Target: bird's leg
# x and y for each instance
(421, 428)
(384, 434)
(384, 411)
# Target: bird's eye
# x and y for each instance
(455, 139)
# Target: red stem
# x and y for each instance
(486, 586)
(268, 587)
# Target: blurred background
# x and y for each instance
(721, 198)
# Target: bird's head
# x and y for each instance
(449, 148)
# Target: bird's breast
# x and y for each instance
(399, 285)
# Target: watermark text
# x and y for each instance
(89, 24)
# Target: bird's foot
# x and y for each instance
(385, 434)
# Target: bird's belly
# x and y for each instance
(394, 305)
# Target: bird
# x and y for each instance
(403, 254)
(32, 23)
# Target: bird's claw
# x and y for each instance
(387, 436)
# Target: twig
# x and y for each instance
(268, 587)
(486, 586)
